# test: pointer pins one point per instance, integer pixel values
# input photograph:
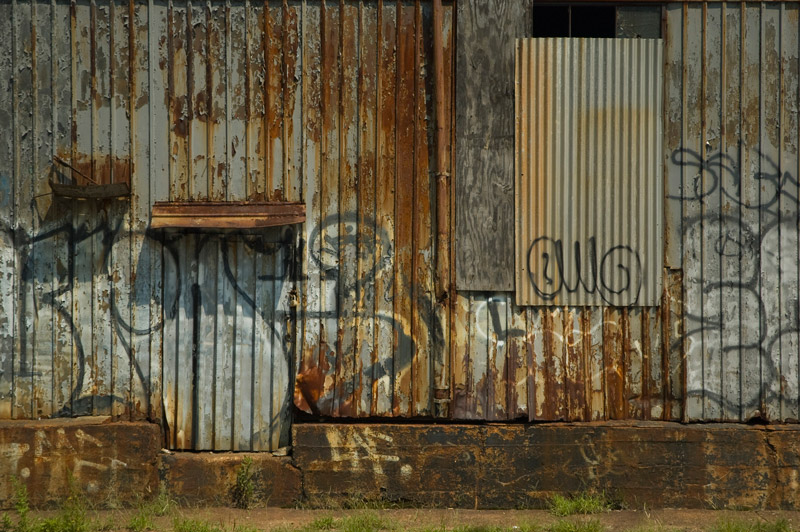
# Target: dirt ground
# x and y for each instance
(417, 519)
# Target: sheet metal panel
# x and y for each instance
(324, 103)
(589, 178)
(370, 320)
(100, 313)
(579, 364)
(734, 71)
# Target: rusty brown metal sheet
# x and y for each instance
(567, 363)
(112, 318)
(367, 301)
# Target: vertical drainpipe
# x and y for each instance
(442, 392)
(442, 175)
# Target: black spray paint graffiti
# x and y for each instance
(365, 241)
(617, 273)
(754, 242)
(45, 283)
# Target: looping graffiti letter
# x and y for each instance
(617, 273)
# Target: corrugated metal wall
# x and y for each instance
(732, 173)
(331, 104)
(588, 172)
(326, 103)
(373, 334)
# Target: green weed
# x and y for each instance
(740, 525)
(653, 527)
(244, 489)
(582, 503)
(144, 518)
(244, 528)
(576, 526)
(21, 507)
(194, 525)
(140, 522)
(363, 522)
(322, 523)
(6, 524)
(72, 517)
(480, 528)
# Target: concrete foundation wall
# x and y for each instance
(652, 463)
(113, 463)
(469, 466)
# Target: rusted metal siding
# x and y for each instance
(732, 162)
(325, 103)
(331, 104)
(588, 172)
(371, 331)
(567, 363)
(100, 313)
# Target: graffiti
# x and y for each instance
(494, 307)
(617, 273)
(90, 245)
(365, 242)
(719, 172)
(752, 245)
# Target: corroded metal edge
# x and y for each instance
(226, 215)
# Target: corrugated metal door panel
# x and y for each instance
(589, 176)
(226, 377)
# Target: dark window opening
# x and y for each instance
(596, 20)
(550, 21)
(593, 21)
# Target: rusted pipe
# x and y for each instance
(442, 175)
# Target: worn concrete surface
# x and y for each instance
(510, 466)
(644, 464)
(105, 460)
(208, 478)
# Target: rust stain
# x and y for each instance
(311, 379)
(550, 393)
(102, 169)
(510, 371)
(180, 115)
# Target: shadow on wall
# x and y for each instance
(91, 290)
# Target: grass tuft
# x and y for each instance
(653, 527)
(245, 528)
(181, 524)
(243, 491)
(740, 525)
(323, 523)
(582, 503)
(364, 522)
(576, 526)
(144, 518)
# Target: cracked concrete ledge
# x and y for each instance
(113, 463)
(121, 464)
(206, 478)
(470, 466)
(511, 466)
